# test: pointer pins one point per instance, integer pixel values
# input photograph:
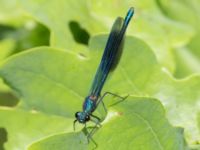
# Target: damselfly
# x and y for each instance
(108, 62)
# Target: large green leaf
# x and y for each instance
(61, 79)
(140, 74)
(142, 120)
(137, 123)
(39, 82)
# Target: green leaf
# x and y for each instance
(62, 79)
(139, 73)
(137, 123)
(39, 82)
(23, 128)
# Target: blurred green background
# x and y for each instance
(168, 29)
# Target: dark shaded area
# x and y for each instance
(7, 99)
(3, 138)
(5, 30)
(26, 38)
(80, 35)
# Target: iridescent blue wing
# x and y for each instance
(111, 54)
(106, 61)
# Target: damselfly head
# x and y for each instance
(82, 117)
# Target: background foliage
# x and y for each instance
(49, 52)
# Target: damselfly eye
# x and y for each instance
(76, 114)
(87, 118)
